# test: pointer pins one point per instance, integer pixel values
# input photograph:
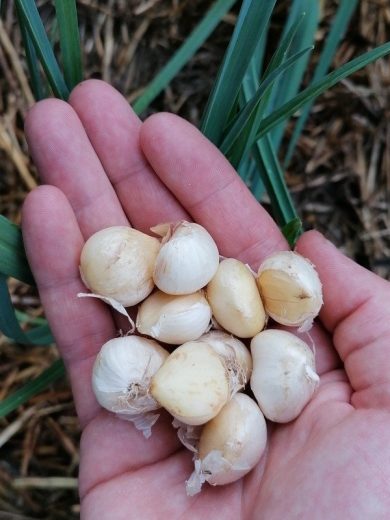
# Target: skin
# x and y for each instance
(101, 167)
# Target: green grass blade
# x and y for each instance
(69, 41)
(275, 68)
(50, 375)
(9, 324)
(36, 81)
(289, 84)
(273, 179)
(292, 230)
(31, 20)
(341, 21)
(252, 22)
(319, 87)
(244, 117)
(183, 54)
(13, 261)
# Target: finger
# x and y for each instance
(320, 341)
(209, 188)
(356, 311)
(113, 129)
(65, 158)
(53, 243)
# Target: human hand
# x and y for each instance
(101, 168)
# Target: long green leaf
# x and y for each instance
(288, 84)
(69, 41)
(336, 34)
(36, 80)
(183, 54)
(50, 375)
(252, 22)
(9, 324)
(273, 179)
(319, 87)
(13, 261)
(275, 69)
(31, 20)
(246, 113)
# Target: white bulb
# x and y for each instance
(187, 260)
(290, 289)
(174, 319)
(118, 263)
(284, 376)
(235, 299)
(122, 374)
(230, 445)
(193, 384)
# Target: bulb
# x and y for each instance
(290, 288)
(174, 319)
(187, 260)
(118, 263)
(193, 383)
(235, 299)
(230, 445)
(284, 377)
(122, 374)
(236, 356)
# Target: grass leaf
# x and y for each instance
(292, 230)
(252, 22)
(69, 41)
(336, 34)
(289, 83)
(13, 261)
(319, 87)
(32, 22)
(244, 117)
(50, 375)
(9, 324)
(37, 82)
(273, 179)
(183, 54)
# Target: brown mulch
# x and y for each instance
(339, 178)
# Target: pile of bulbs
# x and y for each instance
(203, 304)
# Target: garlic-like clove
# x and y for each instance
(230, 445)
(235, 299)
(118, 263)
(193, 383)
(290, 289)
(187, 260)
(122, 374)
(174, 319)
(236, 356)
(284, 376)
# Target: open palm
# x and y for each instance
(103, 168)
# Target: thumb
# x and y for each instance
(356, 312)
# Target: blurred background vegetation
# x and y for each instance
(338, 177)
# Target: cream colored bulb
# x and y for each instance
(230, 445)
(284, 376)
(235, 299)
(118, 263)
(174, 319)
(187, 260)
(122, 374)
(193, 383)
(290, 289)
